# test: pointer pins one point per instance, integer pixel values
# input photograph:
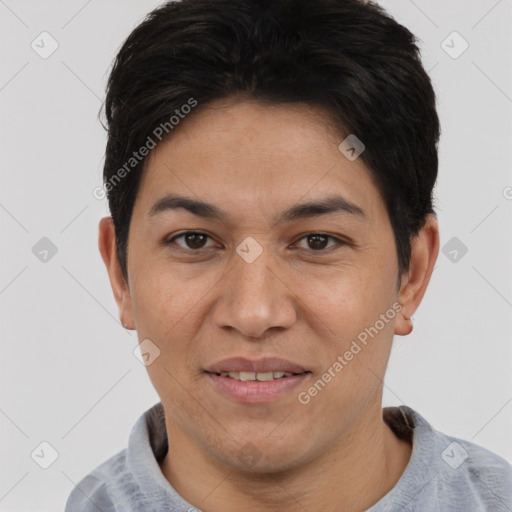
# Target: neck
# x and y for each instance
(358, 471)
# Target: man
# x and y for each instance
(269, 170)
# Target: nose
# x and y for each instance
(254, 298)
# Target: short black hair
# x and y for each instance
(349, 57)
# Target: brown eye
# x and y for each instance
(319, 241)
(191, 240)
(195, 240)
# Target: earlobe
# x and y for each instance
(125, 311)
(108, 249)
(424, 251)
(404, 324)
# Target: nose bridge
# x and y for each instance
(254, 278)
(254, 299)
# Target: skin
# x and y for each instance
(294, 301)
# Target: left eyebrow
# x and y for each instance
(332, 204)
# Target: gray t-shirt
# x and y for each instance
(443, 474)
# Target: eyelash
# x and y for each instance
(338, 241)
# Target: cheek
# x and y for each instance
(354, 319)
(347, 299)
(164, 299)
(152, 299)
(168, 312)
(169, 308)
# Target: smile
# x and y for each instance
(255, 387)
(256, 376)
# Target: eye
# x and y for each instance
(319, 241)
(193, 240)
(196, 240)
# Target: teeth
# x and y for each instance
(253, 376)
(264, 376)
(245, 376)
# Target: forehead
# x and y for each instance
(250, 155)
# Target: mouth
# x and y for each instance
(246, 367)
(255, 381)
(257, 376)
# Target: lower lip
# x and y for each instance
(255, 392)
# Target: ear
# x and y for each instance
(424, 251)
(108, 249)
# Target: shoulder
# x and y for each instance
(131, 480)
(123, 483)
(466, 476)
(97, 491)
(474, 475)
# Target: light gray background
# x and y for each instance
(68, 374)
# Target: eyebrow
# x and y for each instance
(331, 204)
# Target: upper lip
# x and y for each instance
(267, 364)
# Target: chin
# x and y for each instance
(261, 455)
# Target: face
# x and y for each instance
(232, 267)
